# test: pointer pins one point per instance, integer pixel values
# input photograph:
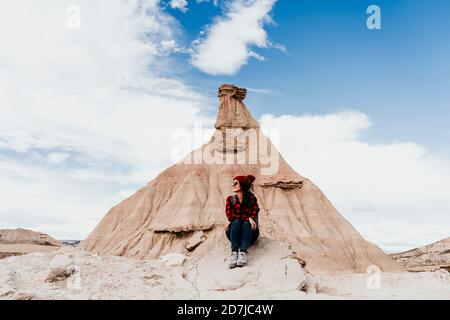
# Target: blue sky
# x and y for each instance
(92, 92)
(398, 75)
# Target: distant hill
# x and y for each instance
(432, 257)
(19, 241)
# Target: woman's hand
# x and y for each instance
(252, 223)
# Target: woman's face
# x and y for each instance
(236, 186)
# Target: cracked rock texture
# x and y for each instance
(273, 272)
(72, 273)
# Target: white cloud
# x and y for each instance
(280, 47)
(83, 122)
(57, 157)
(402, 235)
(86, 99)
(226, 47)
(215, 2)
(388, 191)
(169, 45)
(263, 91)
(179, 4)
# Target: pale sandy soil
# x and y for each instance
(272, 273)
(22, 248)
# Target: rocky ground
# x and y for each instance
(273, 272)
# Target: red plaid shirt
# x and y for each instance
(238, 212)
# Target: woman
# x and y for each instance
(242, 212)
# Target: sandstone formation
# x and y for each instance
(432, 257)
(167, 215)
(23, 236)
(15, 242)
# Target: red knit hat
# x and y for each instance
(245, 181)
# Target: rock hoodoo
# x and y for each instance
(232, 111)
(182, 210)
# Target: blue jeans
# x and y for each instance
(241, 235)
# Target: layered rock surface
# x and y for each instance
(20, 241)
(432, 257)
(167, 215)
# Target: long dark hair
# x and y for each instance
(247, 190)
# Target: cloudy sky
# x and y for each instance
(91, 93)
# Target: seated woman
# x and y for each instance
(242, 212)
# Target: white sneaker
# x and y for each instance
(233, 259)
(242, 259)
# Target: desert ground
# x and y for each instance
(273, 272)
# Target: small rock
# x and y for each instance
(443, 275)
(74, 281)
(197, 239)
(311, 285)
(6, 290)
(173, 259)
(24, 296)
(73, 269)
(59, 268)
(235, 279)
